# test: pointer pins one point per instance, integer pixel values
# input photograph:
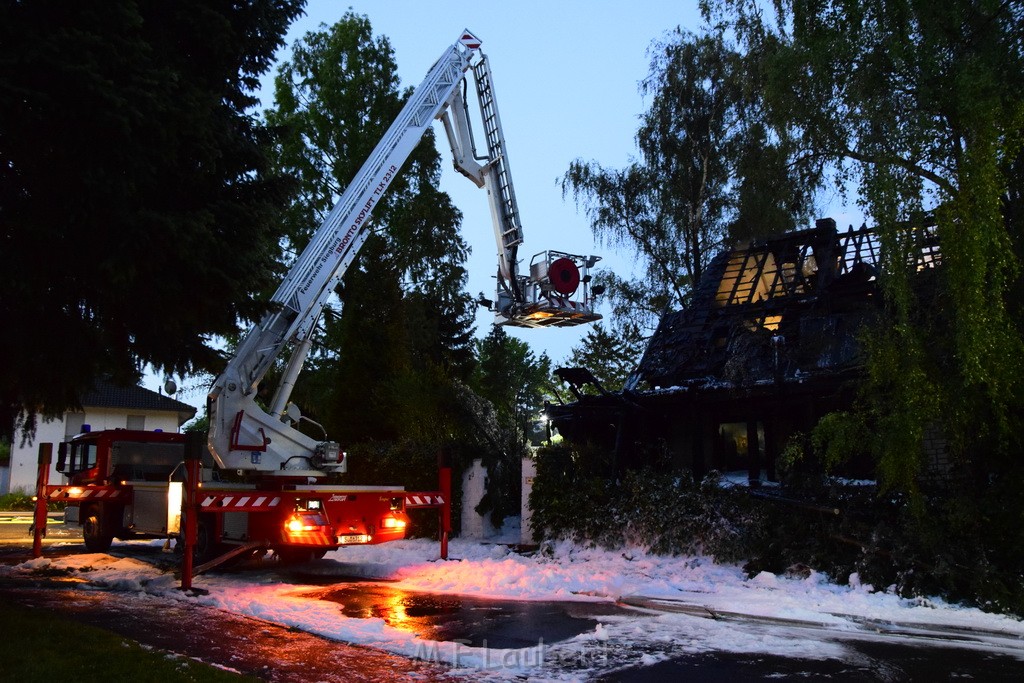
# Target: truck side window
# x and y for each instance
(82, 457)
(88, 456)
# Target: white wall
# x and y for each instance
(474, 525)
(24, 457)
(526, 514)
(479, 527)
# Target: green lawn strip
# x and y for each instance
(37, 645)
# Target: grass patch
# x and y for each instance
(39, 646)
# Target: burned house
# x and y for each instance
(768, 345)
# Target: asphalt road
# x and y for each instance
(279, 654)
(15, 530)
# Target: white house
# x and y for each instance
(108, 406)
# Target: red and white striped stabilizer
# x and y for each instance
(234, 502)
(58, 493)
(424, 500)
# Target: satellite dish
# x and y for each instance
(170, 387)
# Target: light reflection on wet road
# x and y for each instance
(477, 622)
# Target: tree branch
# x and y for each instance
(905, 164)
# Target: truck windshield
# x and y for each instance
(82, 457)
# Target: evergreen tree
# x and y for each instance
(610, 357)
(514, 382)
(137, 212)
(387, 368)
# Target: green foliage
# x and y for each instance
(17, 500)
(514, 382)
(838, 437)
(200, 425)
(510, 376)
(610, 356)
(334, 100)
(21, 500)
(838, 446)
(38, 643)
(930, 119)
(947, 543)
(139, 211)
(712, 168)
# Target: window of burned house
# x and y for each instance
(733, 447)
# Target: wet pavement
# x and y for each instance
(14, 530)
(475, 622)
(895, 662)
(274, 653)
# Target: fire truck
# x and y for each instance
(264, 484)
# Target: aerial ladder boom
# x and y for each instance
(242, 435)
(556, 292)
(493, 175)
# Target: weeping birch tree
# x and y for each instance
(920, 107)
(712, 171)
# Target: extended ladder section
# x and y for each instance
(508, 230)
(557, 291)
(242, 435)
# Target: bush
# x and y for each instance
(666, 513)
(17, 500)
(948, 542)
(961, 544)
(22, 501)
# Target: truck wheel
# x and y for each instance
(94, 532)
(207, 547)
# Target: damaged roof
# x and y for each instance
(784, 308)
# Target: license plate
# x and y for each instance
(356, 538)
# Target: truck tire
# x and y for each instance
(207, 545)
(96, 530)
